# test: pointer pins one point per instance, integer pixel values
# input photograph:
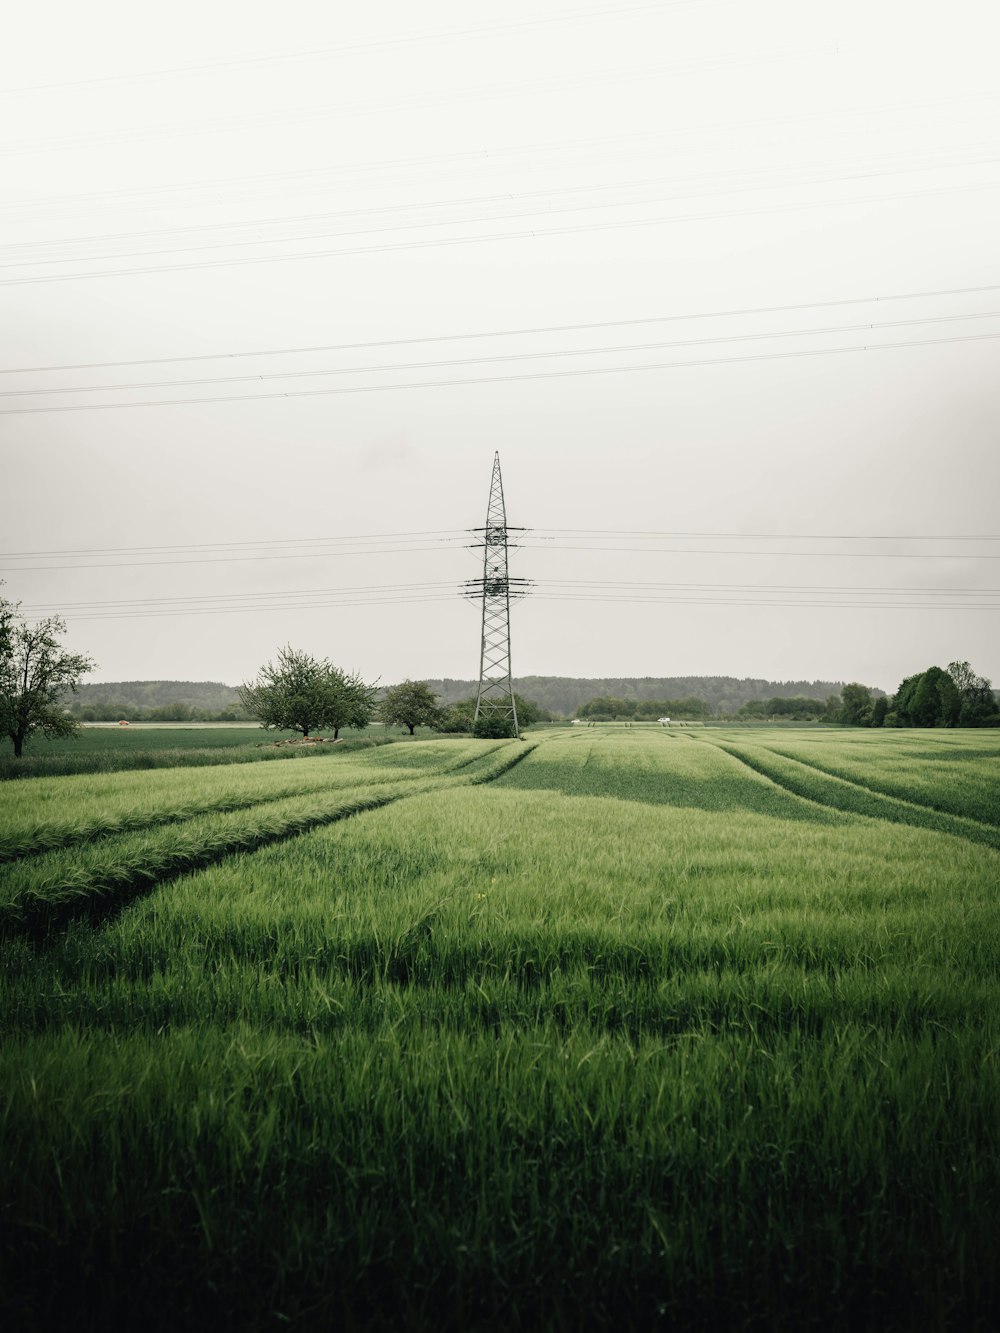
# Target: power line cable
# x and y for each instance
(642, 587)
(599, 533)
(766, 181)
(507, 215)
(447, 242)
(442, 534)
(827, 606)
(799, 555)
(451, 535)
(123, 603)
(223, 559)
(616, 599)
(505, 379)
(836, 589)
(510, 333)
(394, 367)
(560, 150)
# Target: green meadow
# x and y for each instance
(604, 1028)
(107, 748)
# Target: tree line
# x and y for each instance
(301, 693)
(956, 697)
(562, 696)
(608, 708)
(155, 701)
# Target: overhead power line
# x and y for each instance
(566, 591)
(477, 239)
(730, 602)
(395, 367)
(771, 180)
(599, 533)
(736, 312)
(445, 536)
(252, 600)
(506, 379)
(798, 555)
(237, 559)
(560, 151)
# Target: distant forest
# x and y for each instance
(156, 701)
(186, 700)
(723, 695)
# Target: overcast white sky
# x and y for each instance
(727, 202)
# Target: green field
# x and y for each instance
(605, 1028)
(105, 748)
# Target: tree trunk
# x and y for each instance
(410, 725)
(18, 740)
(336, 733)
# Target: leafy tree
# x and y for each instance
(935, 700)
(977, 706)
(459, 717)
(412, 704)
(301, 693)
(856, 705)
(493, 726)
(899, 708)
(35, 672)
(879, 710)
(753, 708)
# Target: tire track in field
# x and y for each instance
(37, 842)
(911, 799)
(110, 887)
(836, 793)
(107, 888)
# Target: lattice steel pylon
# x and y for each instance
(497, 589)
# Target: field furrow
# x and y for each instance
(965, 784)
(49, 813)
(836, 793)
(103, 874)
(54, 888)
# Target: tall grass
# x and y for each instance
(959, 778)
(518, 1055)
(108, 750)
(55, 812)
(828, 790)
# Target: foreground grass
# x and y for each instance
(682, 1049)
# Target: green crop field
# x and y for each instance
(605, 1028)
(105, 748)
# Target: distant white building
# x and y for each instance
(663, 721)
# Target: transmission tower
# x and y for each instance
(496, 589)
